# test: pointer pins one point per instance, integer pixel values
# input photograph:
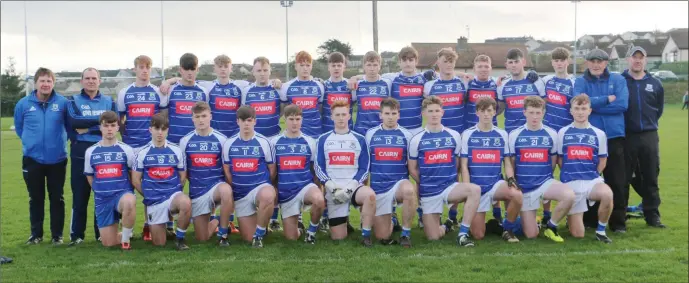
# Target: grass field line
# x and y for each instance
(335, 258)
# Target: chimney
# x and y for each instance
(462, 43)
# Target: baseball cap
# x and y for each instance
(636, 49)
(597, 54)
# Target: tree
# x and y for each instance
(11, 89)
(333, 45)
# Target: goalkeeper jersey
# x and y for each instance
(341, 158)
(388, 149)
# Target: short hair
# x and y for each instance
(447, 53)
(430, 101)
(246, 112)
(292, 110)
(188, 61)
(408, 52)
(482, 58)
(303, 56)
(484, 102)
(338, 104)
(143, 60)
(108, 117)
(90, 69)
(515, 54)
(336, 57)
(222, 60)
(372, 56)
(534, 101)
(160, 121)
(560, 53)
(262, 60)
(391, 103)
(43, 72)
(581, 99)
(200, 106)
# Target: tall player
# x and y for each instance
(137, 103)
(306, 93)
(512, 92)
(433, 163)
(202, 149)
(583, 152)
(342, 164)
(389, 173)
(159, 175)
(368, 93)
(483, 85)
(294, 154)
(107, 166)
(183, 95)
(249, 169)
(450, 89)
(484, 151)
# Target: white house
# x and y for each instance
(634, 35)
(676, 49)
(595, 38)
(124, 74)
(528, 41)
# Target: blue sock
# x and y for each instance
(365, 232)
(453, 214)
(551, 224)
(419, 211)
(463, 229)
(260, 232)
(180, 233)
(508, 225)
(222, 232)
(325, 213)
(601, 227)
(313, 228)
(170, 224)
(406, 232)
(215, 217)
(395, 222)
(275, 214)
(394, 209)
(496, 213)
(232, 217)
(547, 214)
(145, 224)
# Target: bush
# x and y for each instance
(674, 91)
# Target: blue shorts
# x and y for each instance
(106, 213)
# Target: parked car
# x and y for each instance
(665, 75)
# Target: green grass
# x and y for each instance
(642, 254)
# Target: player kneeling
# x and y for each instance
(107, 165)
(207, 188)
(249, 168)
(342, 163)
(388, 148)
(433, 163)
(294, 153)
(534, 150)
(159, 176)
(484, 150)
(583, 151)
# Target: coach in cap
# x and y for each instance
(646, 99)
(609, 98)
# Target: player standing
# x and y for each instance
(294, 154)
(183, 96)
(583, 152)
(433, 163)
(368, 93)
(107, 166)
(483, 85)
(335, 89)
(512, 92)
(450, 89)
(305, 92)
(207, 188)
(559, 91)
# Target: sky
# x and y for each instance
(73, 35)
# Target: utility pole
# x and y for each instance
(574, 64)
(26, 54)
(375, 25)
(162, 43)
(286, 4)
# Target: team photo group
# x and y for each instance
(377, 143)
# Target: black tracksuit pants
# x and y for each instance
(36, 175)
(642, 156)
(615, 175)
(81, 192)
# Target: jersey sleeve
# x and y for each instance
(267, 150)
(355, 89)
(389, 76)
(414, 146)
(364, 161)
(321, 88)
(602, 143)
(206, 92)
(273, 143)
(553, 137)
(540, 87)
(505, 140)
(183, 145)
(181, 159)
(458, 142)
(512, 141)
(131, 157)
(244, 92)
(560, 141)
(88, 170)
(389, 83)
(241, 83)
(498, 91)
(312, 146)
(283, 91)
(369, 135)
(206, 85)
(140, 157)
(427, 88)
(121, 107)
(320, 164)
(164, 99)
(226, 151)
(464, 152)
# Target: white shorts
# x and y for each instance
(246, 206)
(415, 131)
(160, 213)
(582, 189)
(434, 204)
(339, 210)
(532, 199)
(386, 201)
(204, 204)
(486, 202)
(293, 207)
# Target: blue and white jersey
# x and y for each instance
(388, 150)
(452, 93)
(368, 96)
(138, 105)
(558, 94)
(248, 161)
(580, 150)
(160, 167)
(109, 166)
(341, 158)
(533, 152)
(204, 161)
(436, 154)
(485, 152)
(409, 92)
(335, 91)
(294, 158)
(182, 99)
(308, 95)
(266, 102)
(224, 101)
(475, 90)
(512, 93)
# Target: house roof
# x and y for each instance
(596, 37)
(548, 46)
(641, 33)
(521, 39)
(652, 49)
(496, 51)
(621, 50)
(681, 37)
